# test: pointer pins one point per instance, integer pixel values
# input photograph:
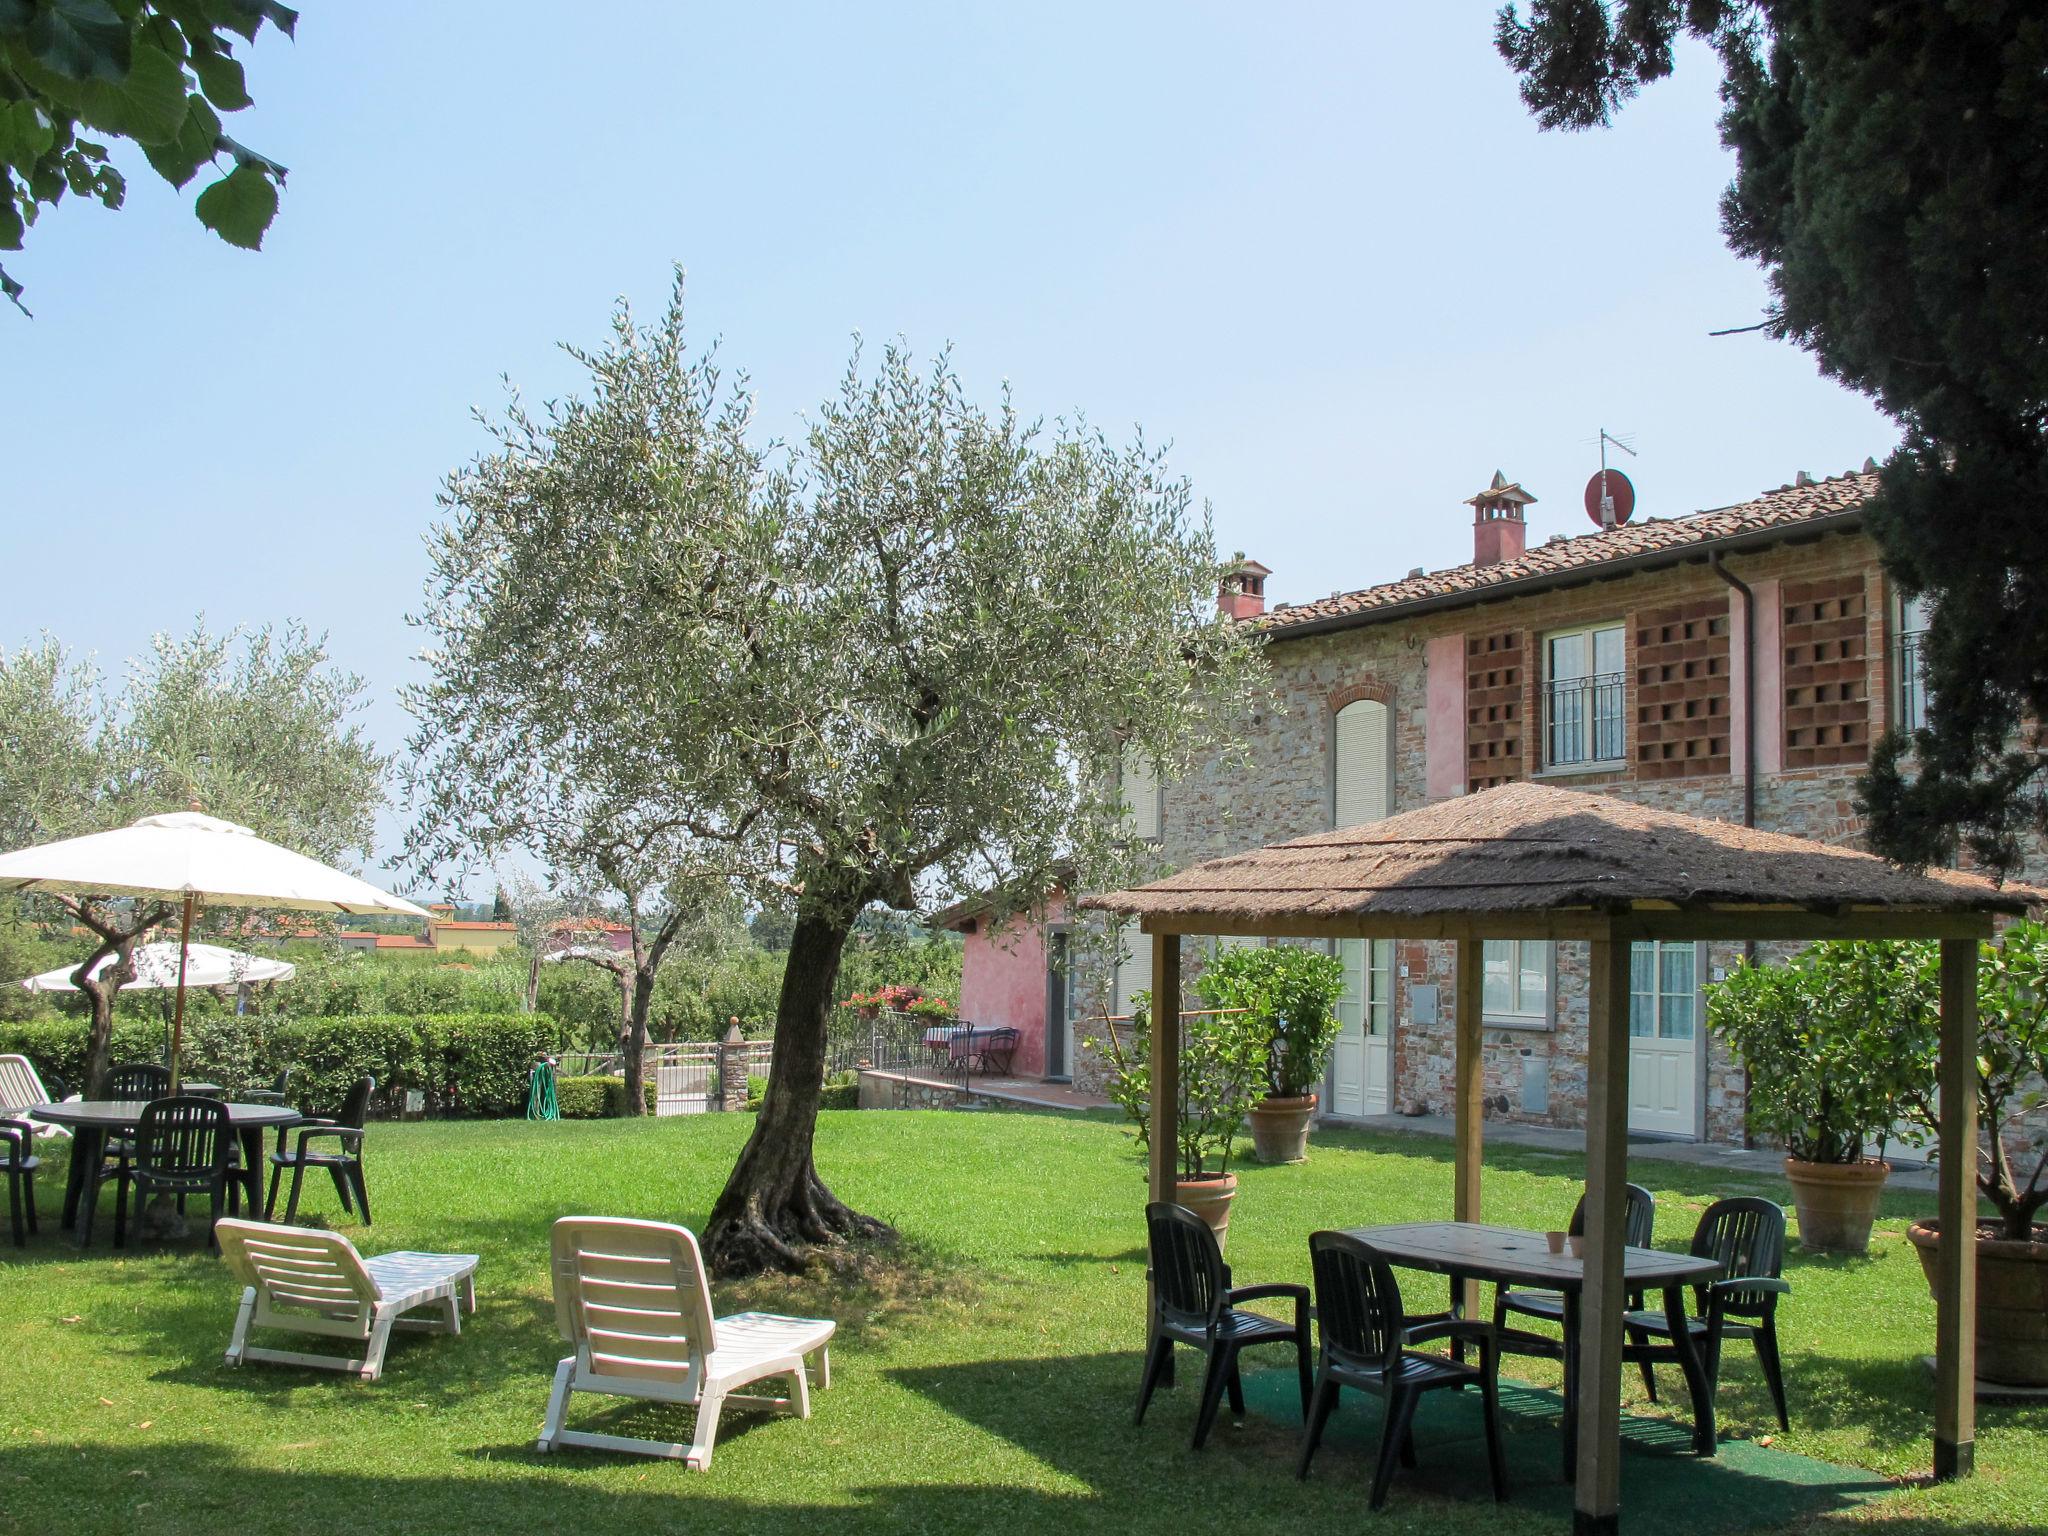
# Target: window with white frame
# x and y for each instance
(1362, 787)
(1516, 989)
(1584, 711)
(1909, 670)
(1139, 781)
(1133, 966)
(1664, 991)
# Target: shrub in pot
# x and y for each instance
(1222, 1071)
(1836, 1041)
(1291, 994)
(2012, 1251)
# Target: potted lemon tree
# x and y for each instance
(1291, 994)
(2012, 1167)
(1837, 1041)
(1222, 1070)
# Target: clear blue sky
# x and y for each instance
(1322, 249)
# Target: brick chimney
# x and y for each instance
(1243, 593)
(1498, 532)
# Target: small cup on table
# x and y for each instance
(1578, 1246)
(1555, 1240)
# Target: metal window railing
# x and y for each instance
(1911, 672)
(1584, 720)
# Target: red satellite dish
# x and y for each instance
(1610, 483)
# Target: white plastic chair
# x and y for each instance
(21, 1087)
(307, 1281)
(632, 1297)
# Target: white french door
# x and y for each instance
(1663, 1039)
(1362, 1065)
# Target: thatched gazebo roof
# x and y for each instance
(1521, 850)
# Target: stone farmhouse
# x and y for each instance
(1736, 663)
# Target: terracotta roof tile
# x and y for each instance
(1563, 559)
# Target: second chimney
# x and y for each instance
(1243, 593)
(1498, 531)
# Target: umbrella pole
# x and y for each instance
(178, 1016)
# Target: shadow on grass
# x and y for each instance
(1745, 1486)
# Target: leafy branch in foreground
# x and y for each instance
(159, 73)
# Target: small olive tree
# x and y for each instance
(1838, 1041)
(1292, 993)
(2012, 1077)
(1225, 1055)
(898, 657)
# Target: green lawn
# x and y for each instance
(983, 1375)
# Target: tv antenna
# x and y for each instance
(1610, 498)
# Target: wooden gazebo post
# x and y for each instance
(1955, 1291)
(1468, 1113)
(1596, 1503)
(1164, 1135)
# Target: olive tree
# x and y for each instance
(255, 726)
(897, 657)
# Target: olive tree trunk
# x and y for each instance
(639, 990)
(775, 1208)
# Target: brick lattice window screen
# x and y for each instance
(1493, 709)
(1827, 673)
(1682, 697)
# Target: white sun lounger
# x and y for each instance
(307, 1281)
(632, 1297)
(21, 1088)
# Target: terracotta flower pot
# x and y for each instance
(1280, 1128)
(1209, 1197)
(1837, 1203)
(2012, 1301)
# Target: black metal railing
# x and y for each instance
(1585, 720)
(1912, 675)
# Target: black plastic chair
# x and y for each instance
(181, 1149)
(138, 1081)
(274, 1094)
(133, 1082)
(344, 1164)
(1194, 1303)
(18, 1139)
(1365, 1338)
(1747, 1236)
(1639, 1226)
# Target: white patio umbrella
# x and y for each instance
(156, 966)
(197, 860)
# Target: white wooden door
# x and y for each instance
(1361, 1065)
(1663, 1035)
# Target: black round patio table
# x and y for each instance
(92, 1121)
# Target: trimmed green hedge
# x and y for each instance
(57, 1045)
(596, 1098)
(466, 1064)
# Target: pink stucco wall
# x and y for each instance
(1444, 765)
(1002, 981)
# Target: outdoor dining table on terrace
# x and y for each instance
(92, 1121)
(1471, 1250)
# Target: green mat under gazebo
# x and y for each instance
(1743, 1487)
